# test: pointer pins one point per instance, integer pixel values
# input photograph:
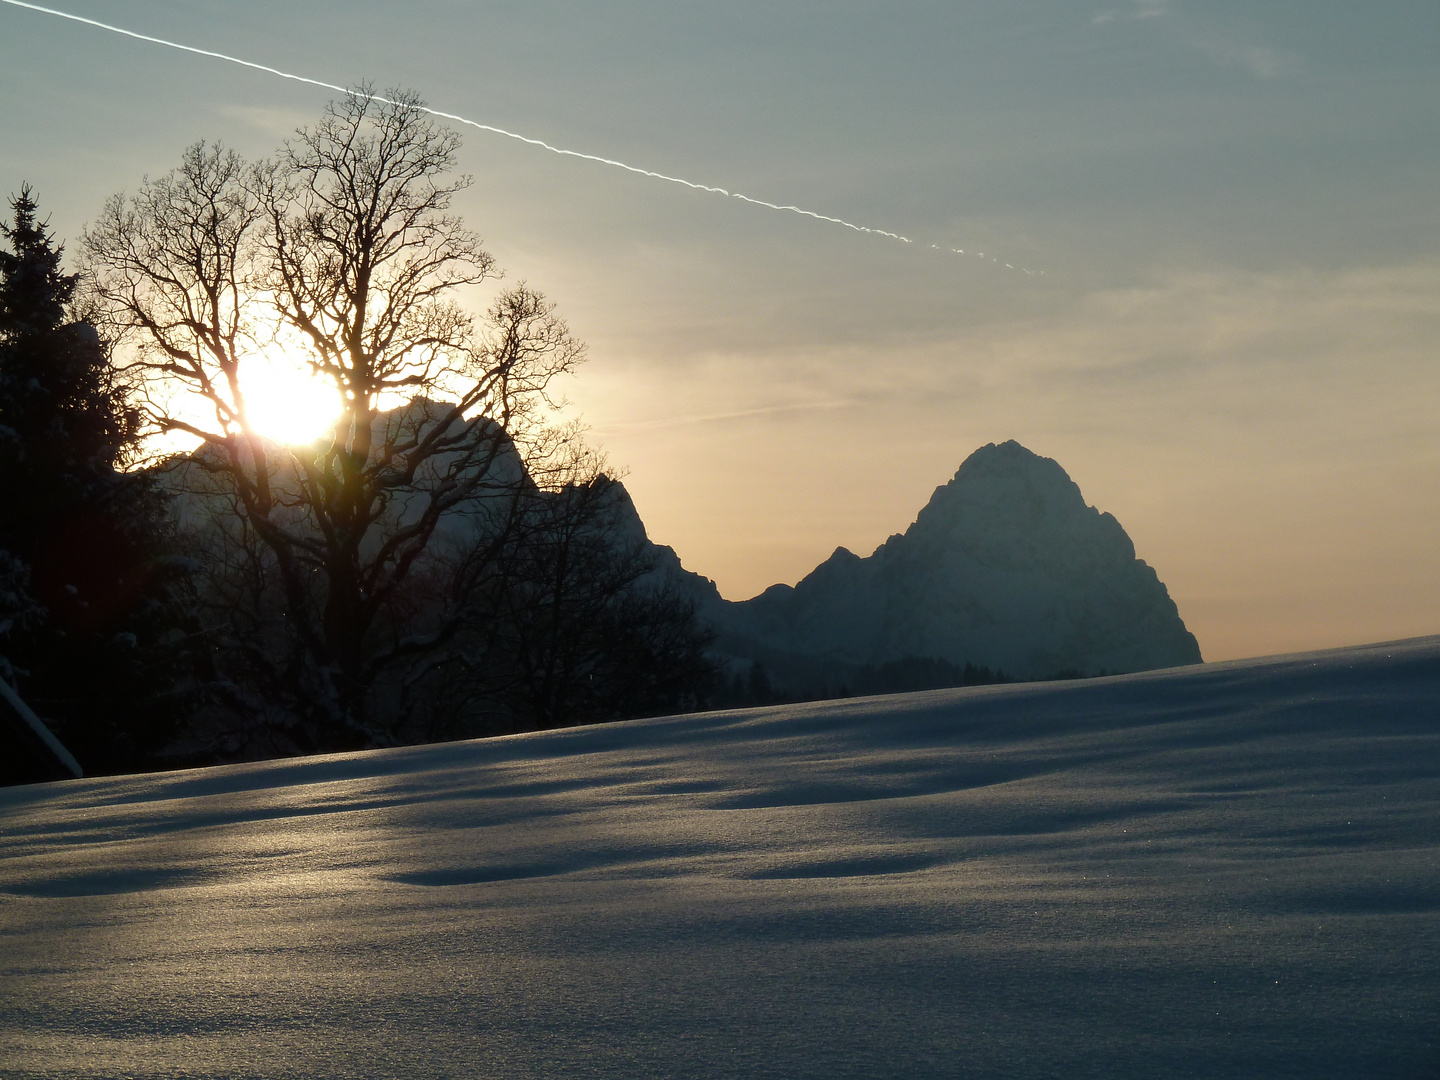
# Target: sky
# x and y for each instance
(1223, 320)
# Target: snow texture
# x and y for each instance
(1218, 871)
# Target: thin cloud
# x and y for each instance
(1142, 9)
(1257, 60)
(269, 121)
(739, 414)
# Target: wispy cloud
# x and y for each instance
(270, 121)
(1258, 60)
(1140, 9)
(736, 414)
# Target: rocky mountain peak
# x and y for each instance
(1005, 567)
(1001, 493)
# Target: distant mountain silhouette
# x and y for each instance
(1005, 574)
(1006, 570)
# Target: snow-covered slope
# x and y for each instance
(1006, 567)
(1218, 871)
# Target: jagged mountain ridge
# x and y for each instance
(1006, 567)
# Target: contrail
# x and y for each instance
(482, 127)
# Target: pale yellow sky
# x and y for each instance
(1268, 441)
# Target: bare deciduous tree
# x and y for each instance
(570, 621)
(343, 246)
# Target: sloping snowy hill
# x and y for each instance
(1218, 871)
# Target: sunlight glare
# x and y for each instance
(285, 400)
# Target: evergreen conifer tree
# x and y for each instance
(87, 601)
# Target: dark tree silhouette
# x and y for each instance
(567, 622)
(332, 568)
(343, 249)
(88, 602)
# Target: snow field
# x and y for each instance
(1218, 871)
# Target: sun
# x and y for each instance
(285, 401)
